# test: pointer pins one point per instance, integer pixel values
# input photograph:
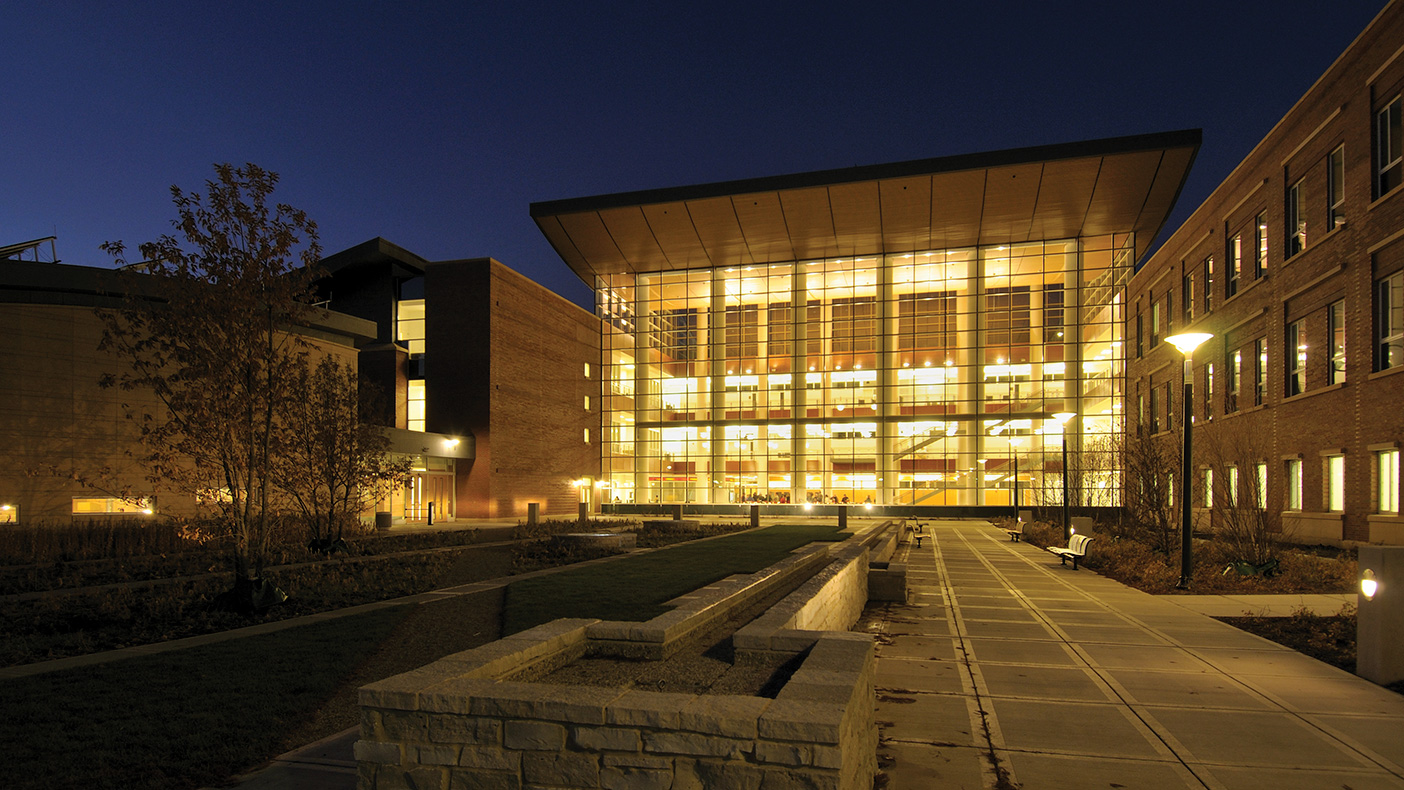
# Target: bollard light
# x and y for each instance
(1368, 585)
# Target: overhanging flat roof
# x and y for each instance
(1048, 192)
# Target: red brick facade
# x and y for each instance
(1348, 250)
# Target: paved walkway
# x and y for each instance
(1008, 670)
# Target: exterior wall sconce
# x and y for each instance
(1368, 585)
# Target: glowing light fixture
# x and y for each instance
(1368, 585)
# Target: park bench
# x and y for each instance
(1076, 548)
(918, 531)
(1017, 532)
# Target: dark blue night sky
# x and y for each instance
(436, 124)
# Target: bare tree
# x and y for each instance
(1242, 519)
(1149, 489)
(331, 463)
(207, 331)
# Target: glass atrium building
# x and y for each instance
(905, 334)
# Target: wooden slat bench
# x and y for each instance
(1076, 549)
(1017, 532)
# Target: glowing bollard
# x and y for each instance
(1379, 624)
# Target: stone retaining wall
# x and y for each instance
(473, 719)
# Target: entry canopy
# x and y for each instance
(1087, 188)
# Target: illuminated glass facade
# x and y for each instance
(926, 378)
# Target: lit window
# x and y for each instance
(107, 506)
(1387, 481)
(409, 325)
(1260, 489)
(1208, 287)
(1296, 219)
(1335, 189)
(1155, 409)
(1209, 390)
(587, 435)
(9, 514)
(1235, 376)
(1335, 482)
(587, 370)
(1231, 482)
(1336, 320)
(1260, 382)
(1389, 148)
(1187, 295)
(1208, 487)
(1297, 358)
(1389, 322)
(1294, 483)
(1260, 262)
(1155, 324)
(414, 397)
(1235, 265)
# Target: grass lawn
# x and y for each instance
(635, 589)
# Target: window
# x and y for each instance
(1235, 375)
(1293, 473)
(587, 435)
(1296, 358)
(1208, 487)
(927, 320)
(113, 506)
(1260, 262)
(1235, 265)
(1140, 347)
(1169, 408)
(674, 332)
(1389, 322)
(414, 404)
(855, 324)
(1187, 295)
(1336, 326)
(1155, 324)
(1155, 409)
(1296, 219)
(587, 370)
(1260, 487)
(1231, 482)
(409, 324)
(1335, 189)
(1007, 318)
(1387, 481)
(778, 331)
(1389, 148)
(1335, 482)
(1208, 287)
(1260, 371)
(742, 332)
(1209, 390)
(1052, 312)
(587, 403)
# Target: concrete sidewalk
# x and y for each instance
(1007, 669)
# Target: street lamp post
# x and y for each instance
(1062, 417)
(1186, 343)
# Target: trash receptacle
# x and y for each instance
(382, 521)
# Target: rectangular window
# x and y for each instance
(587, 403)
(1296, 358)
(1335, 482)
(742, 331)
(1336, 321)
(1293, 473)
(1235, 265)
(587, 435)
(1169, 409)
(587, 370)
(414, 405)
(1235, 376)
(1208, 287)
(1260, 487)
(1208, 487)
(674, 332)
(1389, 322)
(1231, 483)
(1155, 409)
(1335, 189)
(1260, 262)
(1209, 390)
(1259, 371)
(1187, 295)
(1387, 481)
(927, 320)
(1155, 325)
(1008, 316)
(855, 324)
(1296, 219)
(778, 331)
(113, 506)
(409, 324)
(1389, 148)
(1052, 312)
(1140, 346)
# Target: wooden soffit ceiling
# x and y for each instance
(1118, 185)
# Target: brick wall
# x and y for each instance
(1338, 263)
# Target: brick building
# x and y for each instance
(471, 349)
(1295, 264)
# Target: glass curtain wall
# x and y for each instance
(924, 378)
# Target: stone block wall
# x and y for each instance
(446, 726)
